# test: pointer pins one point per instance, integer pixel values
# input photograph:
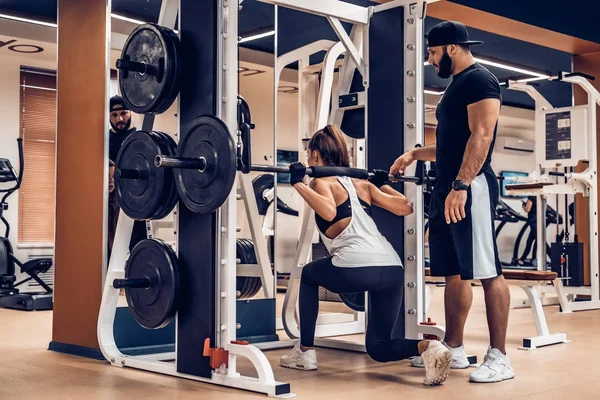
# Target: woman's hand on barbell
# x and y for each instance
(297, 172)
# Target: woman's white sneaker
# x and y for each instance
(436, 360)
(459, 358)
(298, 359)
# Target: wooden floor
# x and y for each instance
(565, 371)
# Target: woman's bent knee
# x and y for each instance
(378, 352)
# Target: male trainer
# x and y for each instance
(120, 126)
(120, 129)
(462, 243)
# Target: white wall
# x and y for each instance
(10, 117)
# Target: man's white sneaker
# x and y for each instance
(459, 358)
(298, 359)
(495, 368)
(436, 360)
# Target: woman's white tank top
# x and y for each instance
(360, 244)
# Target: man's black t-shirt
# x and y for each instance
(115, 142)
(473, 84)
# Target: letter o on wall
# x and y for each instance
(29, 48)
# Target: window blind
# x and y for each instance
(37, 195)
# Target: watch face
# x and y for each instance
(458, 185)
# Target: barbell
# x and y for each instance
(203, 168)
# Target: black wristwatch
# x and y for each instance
(458, 185)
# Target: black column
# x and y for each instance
(385, 137)
(197, 233)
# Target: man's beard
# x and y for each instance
(121, 130)
(445, 66)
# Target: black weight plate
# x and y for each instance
(242, 282)
(170, 198)
(174, 197)
(248, 280)
(153, 308)
(144, 92)
(255, 282)
(205, 191)
(260, 184)
(355, 301)
(140, 198)
(172, 40)
(169, 180)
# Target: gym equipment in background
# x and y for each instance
(508, 215)
(565, 137)
(567, 257)
(9, 292)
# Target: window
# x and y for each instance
(37, 195)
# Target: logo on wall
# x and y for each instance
(287, 89)
(249, 71)
(243, 71)
(21, 48)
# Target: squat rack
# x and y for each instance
(225, 29)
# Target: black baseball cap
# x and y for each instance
(449, 32)
(117, 104)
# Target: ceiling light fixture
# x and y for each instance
(258, 36)
(507, 67)
(511, 68)
(122, 18)
(433, 92)
(27, 20)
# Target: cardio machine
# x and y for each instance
(505, 214)
(10, 297)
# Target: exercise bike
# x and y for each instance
(10, 297)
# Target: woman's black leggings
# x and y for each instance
(385, 286)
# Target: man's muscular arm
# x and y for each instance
(425, 153)
(483, 116)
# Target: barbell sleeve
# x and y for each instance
(133, 283)
(134, 66)
(133, 174)
(180, 162)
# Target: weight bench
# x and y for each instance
(528, 281)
